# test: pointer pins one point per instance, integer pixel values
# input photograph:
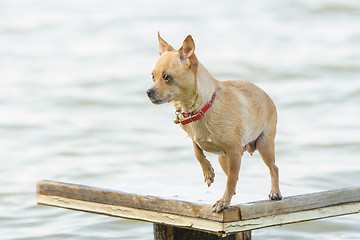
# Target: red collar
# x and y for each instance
(189, 117)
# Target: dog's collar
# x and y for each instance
(190, 117)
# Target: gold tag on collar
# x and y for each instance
(177, 120)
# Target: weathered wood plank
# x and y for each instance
(198, 223)
(117, 198)
(132, 213)
(298, 203)
(295, 217)
(254, 215)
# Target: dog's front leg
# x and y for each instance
(209, 174)
(234, 162)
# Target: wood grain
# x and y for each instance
(293, 217)
(117, 198)
(166, 232)
(200, 224)
(299, 203)
(239, 218)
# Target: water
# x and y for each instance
(73, 76)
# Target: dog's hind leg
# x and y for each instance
(208, 171)
(266, 147)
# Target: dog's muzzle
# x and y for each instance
(153, 96)
(150, 92)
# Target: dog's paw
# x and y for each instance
(220, 205)
(275, 195)
(209, 176)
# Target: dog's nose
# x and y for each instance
(150, 92)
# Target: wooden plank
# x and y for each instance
(198, 223)
(117, 198)
(288, 218)
(181, 214)
(132, 213)
(298, 203)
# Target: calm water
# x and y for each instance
(73, 76)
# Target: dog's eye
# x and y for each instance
(166, 77)
(152, 75)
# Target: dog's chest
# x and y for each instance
(209, 146)
(204, 139)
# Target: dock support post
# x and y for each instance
(166, 232)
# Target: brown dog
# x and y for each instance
(225, 118)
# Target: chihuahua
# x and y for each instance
(222, 117)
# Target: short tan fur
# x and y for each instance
(242, 118)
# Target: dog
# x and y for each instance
(222, 117)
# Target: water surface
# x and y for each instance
(73, 76)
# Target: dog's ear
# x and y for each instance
(187, 51)
(163, 46)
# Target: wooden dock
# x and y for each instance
(178, 220)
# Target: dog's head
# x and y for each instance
(174, 74)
